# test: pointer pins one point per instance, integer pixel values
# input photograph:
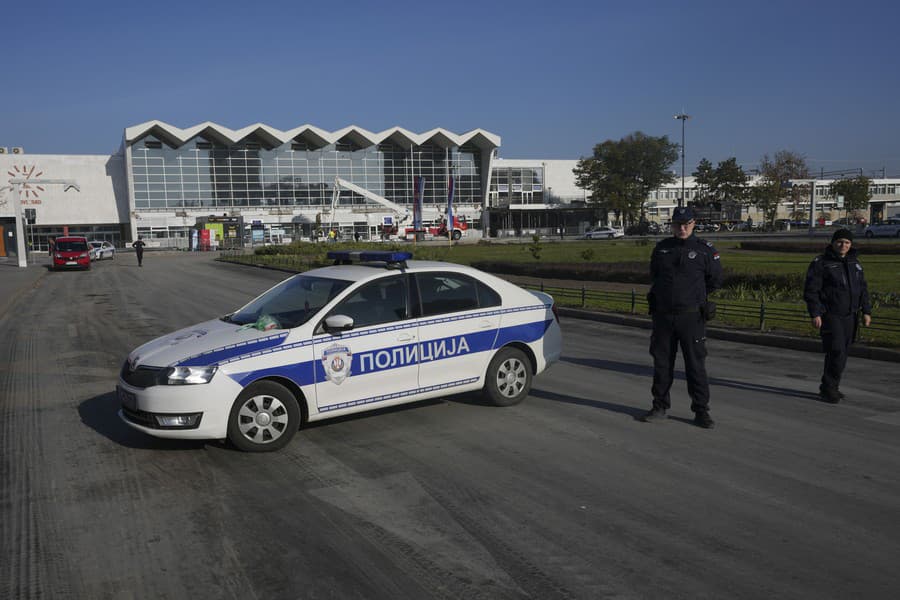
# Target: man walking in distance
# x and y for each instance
(835, 293)
(684, 271)
(139, 250)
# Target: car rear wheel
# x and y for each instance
(264, 417)
(508, 378)
(457, 234)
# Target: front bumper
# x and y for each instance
(212, 401)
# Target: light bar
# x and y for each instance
(369, 256)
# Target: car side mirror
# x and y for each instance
(338, 323)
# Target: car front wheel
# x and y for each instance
(264, 418)
(508, 378)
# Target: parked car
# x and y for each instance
(71, 253)
(101, 250)
(603, 232)
(373, 330)
(890, 227)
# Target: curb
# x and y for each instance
(733, 335)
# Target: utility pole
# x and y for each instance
(682, 117)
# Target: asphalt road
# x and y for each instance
(563, 496)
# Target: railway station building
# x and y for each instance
(260, 184)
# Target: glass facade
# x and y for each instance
(517, 185)
(203, 174)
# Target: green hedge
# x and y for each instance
(817, 246)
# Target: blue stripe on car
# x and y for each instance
(310, 372)
(236, 352)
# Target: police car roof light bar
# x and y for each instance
(345, 257)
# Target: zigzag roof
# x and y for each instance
(177, 136)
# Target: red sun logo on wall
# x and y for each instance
(29, 190)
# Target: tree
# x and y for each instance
(621, 174)
(775, 186)
(705, 178)
(729, 182)
(855, 191)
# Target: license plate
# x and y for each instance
(71, 262)
(127, 399)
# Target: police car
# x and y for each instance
(375, 329)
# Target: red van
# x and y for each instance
(71, 252)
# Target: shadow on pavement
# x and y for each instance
(610, 406)
(100, 413)
(647, 371)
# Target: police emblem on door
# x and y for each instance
(336, 361)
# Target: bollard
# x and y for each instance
(632, 300)
(762, 315)
(582, 297)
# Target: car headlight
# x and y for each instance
(189, 375)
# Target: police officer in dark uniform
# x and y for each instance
(835, 293)
(685, 270)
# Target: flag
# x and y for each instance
(450, 209)
(418, 193)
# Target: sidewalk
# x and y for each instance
(16, 281)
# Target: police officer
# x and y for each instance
(139, 250)
(835, 293)
(685, 270)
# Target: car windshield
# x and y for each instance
(95, 244)
(71, 246)
(291, 303)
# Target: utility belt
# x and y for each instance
(707, 311)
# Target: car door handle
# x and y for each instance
(405, 338)
(486, 325)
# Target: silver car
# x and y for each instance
(101, 249)
(602, 233)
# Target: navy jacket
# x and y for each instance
(836, 285)
(684, 272)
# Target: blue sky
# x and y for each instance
(551, 78)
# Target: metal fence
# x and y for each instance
(758, 315)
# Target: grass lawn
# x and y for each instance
(739, 309)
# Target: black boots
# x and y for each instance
(702, 419)
(830, 395)
(655, 415)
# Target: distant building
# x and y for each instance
(261, 184)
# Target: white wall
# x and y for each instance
(558, 176)
(103, 197)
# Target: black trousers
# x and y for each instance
(837, 335)
(689, 331)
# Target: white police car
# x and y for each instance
(374, 330)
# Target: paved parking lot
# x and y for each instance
(564, 496)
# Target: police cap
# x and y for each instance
(682, 214)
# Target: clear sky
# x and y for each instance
(552, 78)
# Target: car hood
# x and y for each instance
(208, 343)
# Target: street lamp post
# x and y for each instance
(682, 117)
